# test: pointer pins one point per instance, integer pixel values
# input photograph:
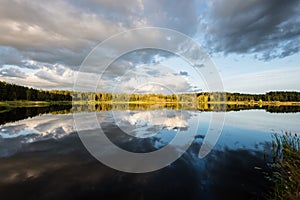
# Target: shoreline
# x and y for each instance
(25, 103)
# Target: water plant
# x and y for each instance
(286, 165)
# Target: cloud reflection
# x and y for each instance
(55, 126)
(147, 123)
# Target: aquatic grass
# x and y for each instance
(286, 164)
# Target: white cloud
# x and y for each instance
(64, 32)
(12, 72)
(148, 123)
(151, 78)
(43, 35)
(260, 82)
(39, 128)
(40, 75)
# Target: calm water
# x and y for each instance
(42, 157)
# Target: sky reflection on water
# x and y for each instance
(43, 158)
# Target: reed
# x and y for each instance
(286, 157)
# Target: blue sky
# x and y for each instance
(254, 44)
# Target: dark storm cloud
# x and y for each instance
(268, 28)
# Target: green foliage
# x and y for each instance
(236, 97)
(12, 92)
(286, 154)
(283, 96)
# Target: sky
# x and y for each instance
(254, 44)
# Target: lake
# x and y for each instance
(42, 156)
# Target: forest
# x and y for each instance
(12, 92)
(282, 96)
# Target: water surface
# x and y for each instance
(42, 156)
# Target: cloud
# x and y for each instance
(58, 75)
(39, 34)
(261, 82)
(11, 56)
(126, 74)
(180, 15)
(267, 28)
(148, 78)
(49, 40)
(183, 73)
(40, 75)
(66, 31)
(12, 72)
(53, 32)
(148, 123)
(134, 60)
(39, 128)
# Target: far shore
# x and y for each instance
(25, 103)
(255, 103)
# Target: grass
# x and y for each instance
(286, 154)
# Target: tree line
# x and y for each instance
(11, 92)
(282, 96)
